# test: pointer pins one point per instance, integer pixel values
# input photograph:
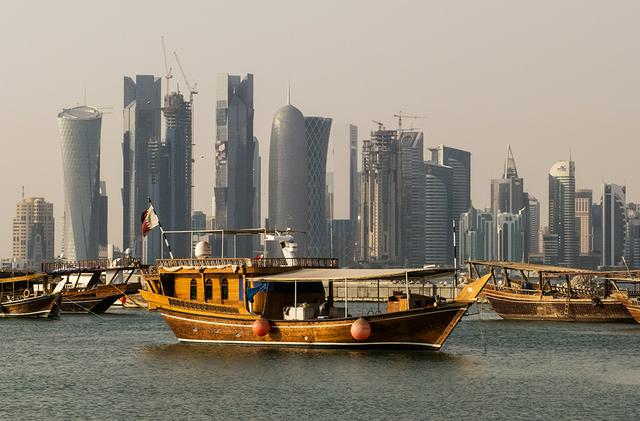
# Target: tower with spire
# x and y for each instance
(509, 202)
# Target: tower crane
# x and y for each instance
(400, 116)
(167, 68)
(192, 89)
(380, 124)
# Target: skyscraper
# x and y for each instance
(584, 201)
(508, 197)
(235, 191)
(33, 233)
(140, 153)
(562, 211)
(289, 175)
(460, 162)
(477, 235)
(632, 238)
(412, 197)
(507, 193)
(613, 224)
(317, 130)
(342, 200)
(103, 220)
(438, 236)
(80, 140)
(511, 236)
(379, 237)
(534, 225)
(175, 199)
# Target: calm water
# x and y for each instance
(127, 364)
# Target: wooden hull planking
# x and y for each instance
(94, 300)
(531, 307)
(42, 306)
(423, 328)
(634, 310)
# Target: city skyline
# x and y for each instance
(549, 104)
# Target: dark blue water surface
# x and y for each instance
(127, 364)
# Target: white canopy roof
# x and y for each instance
(327, 274)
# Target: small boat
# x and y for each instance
(93, 287)
(522, 291)
(274, 302)
(28, 295)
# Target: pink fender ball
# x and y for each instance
(261, 327)
(360, 329)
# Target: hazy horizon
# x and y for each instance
(551, 79)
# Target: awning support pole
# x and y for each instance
(346, 292)
(406, 288)
(295, 298)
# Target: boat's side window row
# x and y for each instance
(208, 290)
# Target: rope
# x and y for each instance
(84, 308)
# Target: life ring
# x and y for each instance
(26, 293)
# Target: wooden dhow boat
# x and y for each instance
(93, 286)
(289, 302)
(28, 295)
(521, 291)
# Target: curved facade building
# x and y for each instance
(80, 140)
(317, 130)
(288, 174)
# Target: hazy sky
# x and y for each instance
(547, 77)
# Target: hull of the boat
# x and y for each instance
(634, 310)
(47, 305)
(425, 328)
(519, 307)
(95, 300)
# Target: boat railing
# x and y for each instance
(92, 264)
(298, 262)
(515, 290)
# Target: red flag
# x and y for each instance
(149, 220)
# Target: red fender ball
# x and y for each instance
(360, 329)
(261, 327)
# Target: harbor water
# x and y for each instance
(127, 364)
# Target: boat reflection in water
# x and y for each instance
(289, 302)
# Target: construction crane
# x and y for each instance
(400, 116)
(380, 124)
(167, 68)
(192, 89)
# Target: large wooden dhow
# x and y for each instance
(93, 286)
(289, 302)
(521, 291)
(28, 295)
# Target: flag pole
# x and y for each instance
(164, 236)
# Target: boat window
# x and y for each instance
(224, 289)
(193, 290)
(208, 290)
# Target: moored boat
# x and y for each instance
(289, 302)
(92, 286)
(28, 295)
(521, 291)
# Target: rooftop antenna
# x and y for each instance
(22, 192)
(84, 98)
(289, 92)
